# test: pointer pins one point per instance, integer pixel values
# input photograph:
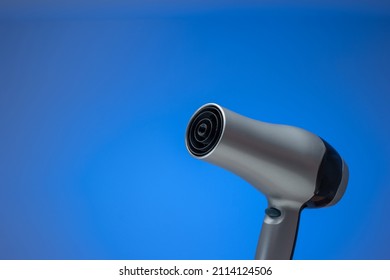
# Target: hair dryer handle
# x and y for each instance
(278, 234)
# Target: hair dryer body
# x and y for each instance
(292, 167)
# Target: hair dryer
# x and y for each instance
(292, 167)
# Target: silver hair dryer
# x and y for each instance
(292, 167)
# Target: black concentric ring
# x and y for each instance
(204, 130)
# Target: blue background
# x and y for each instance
(94, 104)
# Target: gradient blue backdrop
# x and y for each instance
(93, 113)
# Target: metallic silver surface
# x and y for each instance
(277, 237)
(281, 161)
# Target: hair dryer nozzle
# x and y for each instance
(204, 130)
